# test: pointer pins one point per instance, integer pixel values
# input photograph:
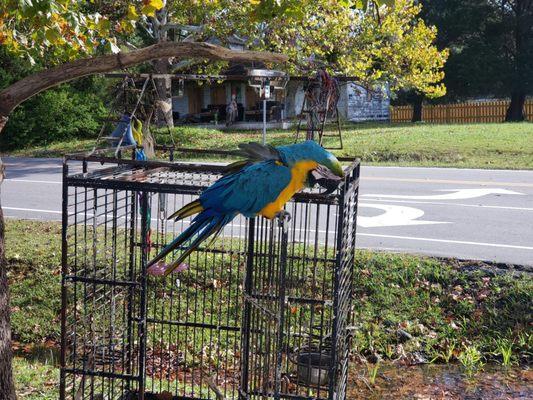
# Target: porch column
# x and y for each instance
(243, 91)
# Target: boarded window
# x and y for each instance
(194, 94)
(218, 94)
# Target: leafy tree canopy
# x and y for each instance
(368, 39)
(372, 41)
(54, 31)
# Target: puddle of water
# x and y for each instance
(441, 382)
(41, 353)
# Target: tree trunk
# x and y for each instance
(27, 87)
(164, 92)
(515, 112)
(417, 108)
(161, 66)
(7, 387)
(522, 58)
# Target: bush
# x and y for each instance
(70, 111)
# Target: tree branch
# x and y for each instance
(27, 87)
(188, 28)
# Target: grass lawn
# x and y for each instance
(36, 379)
(407, 308)
(499, 146)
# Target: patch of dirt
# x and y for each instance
(441, 382)
(490, 268)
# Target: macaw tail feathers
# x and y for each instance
(201, 228)
(213, 228)
(186, 211)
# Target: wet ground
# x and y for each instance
(401, 382)
(440, 382)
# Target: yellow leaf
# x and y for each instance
(148, 10)
(151, 6)
(126, 26)
(157, 4)
(132, 13)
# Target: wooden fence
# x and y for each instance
(486, 111)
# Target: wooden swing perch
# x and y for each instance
(27, 87)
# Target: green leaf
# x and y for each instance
(389, 3)
(53, 36)
(103, 25)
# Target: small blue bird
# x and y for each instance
(259, 185)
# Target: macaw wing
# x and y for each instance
(254, 152)
(247, 191)
(259, 152)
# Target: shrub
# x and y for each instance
(70, 111)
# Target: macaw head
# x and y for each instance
(329, 169)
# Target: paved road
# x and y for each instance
(464, 213)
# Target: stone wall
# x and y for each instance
(363, 105)
(355, 103)
(294, 98)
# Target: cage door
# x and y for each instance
(264, 310)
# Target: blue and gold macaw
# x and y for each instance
(259, 185)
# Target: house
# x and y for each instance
(205, 101)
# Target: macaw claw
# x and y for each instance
(283, 219)
(160, 268)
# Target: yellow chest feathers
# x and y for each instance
(298, 177)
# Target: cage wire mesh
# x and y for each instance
(263, 312)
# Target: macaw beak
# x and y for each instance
(322, 172)
(325, 178)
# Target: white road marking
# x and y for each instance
(455, 204)
(363, 195)
(508, 246)
(447, 181)
(393, 216)
(32, 210)
(458, 194)
(446, 169)
(419, 239)
(32, 181)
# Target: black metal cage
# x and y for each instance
(263, 312)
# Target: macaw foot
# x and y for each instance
(283, 219)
